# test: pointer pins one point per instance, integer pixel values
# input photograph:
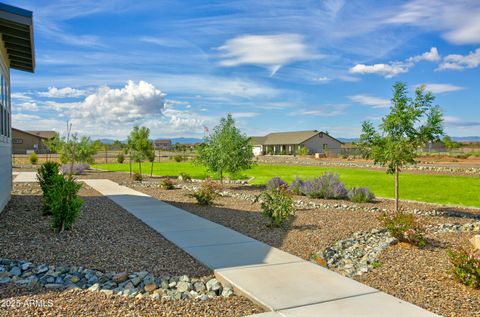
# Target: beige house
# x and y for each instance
(165, 145)
(25, 142)
(289, 143)
(16, 51)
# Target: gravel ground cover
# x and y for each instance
(21, 301)
(416, 275)
(104, 238)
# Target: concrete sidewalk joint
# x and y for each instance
(283, 283)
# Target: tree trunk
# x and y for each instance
(396, 189)
(140, 167)
(130, 160)
(221, 177)
(151, 170)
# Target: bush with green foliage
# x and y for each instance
(167, 184)
(466, 267)
(63, 202)
(33, 158)
(137, 177)
(207, 192)
(46, 175)
(177, 158)
(277, 205)
(404, 227)
(303, 151)
(360, 195)
(184, 177)
(120, 158)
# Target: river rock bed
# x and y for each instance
(137, 284)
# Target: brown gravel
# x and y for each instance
(105, 237)
(415, 275)
(29, 302)
(420, 276)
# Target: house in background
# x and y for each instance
(16, 51)
(26, 142)
(289, 143)
(163, 145)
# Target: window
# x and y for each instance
(325, 146)
(5, 107)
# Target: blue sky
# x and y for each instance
(176, 66)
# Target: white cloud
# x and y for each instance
(21, 96)
(28, 106)
(430, 56)
(460, 62)
(271, 51)
(375, 102)
(441, 88)
(110, 106)
(459, 20)
(66, 92)
(392, 69)
(458, 122)
(387, 70)
(238, 115)
(323, 111)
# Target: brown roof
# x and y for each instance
(43, 134)
(257, 140)
(294, 137)
(163, 141)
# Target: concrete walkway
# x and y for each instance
(24, 177)
(285, 284)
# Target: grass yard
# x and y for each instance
(443, 189)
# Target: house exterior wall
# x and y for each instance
(23, 142)
(5, 132)
(323, 143)
(257, 150)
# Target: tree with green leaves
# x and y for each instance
(139, 145)
(226, 150)
(450, 144)
(411, 123)
(53, 145)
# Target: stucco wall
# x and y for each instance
(316, 144)
(5, 144)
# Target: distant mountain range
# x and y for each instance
(454, 138)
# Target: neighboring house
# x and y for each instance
(290, 142)
(25, 142)
(16, 51)
(257, 145)
(165, 145)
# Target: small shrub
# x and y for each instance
(327, 186)
(167, 184)
(78, 168)
(184, 177)
(277, 205)
(276, 182)
(33, 158)
(46, 175)
(207, 192)
(404, 227)
(177, 158)
(120, 158)
(297, 185)
(360, 195)
(303, 151)
(137, 177)
(466, 267)
(64, 202)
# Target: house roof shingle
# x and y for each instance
(294, 138)
(43, 134)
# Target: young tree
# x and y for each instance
(411, 123)
(139, 145)
(53, 145)
(450, 144)
(226, 149)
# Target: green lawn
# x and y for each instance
(458, 190)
